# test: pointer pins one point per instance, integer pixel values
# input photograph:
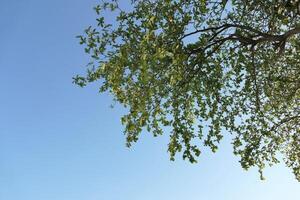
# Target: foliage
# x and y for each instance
(204, 68)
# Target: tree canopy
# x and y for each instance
(203, 68)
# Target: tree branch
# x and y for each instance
(254, 37)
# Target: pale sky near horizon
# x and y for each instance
(61, 142)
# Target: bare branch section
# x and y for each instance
(246, 35)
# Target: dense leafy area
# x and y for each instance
(204, 68)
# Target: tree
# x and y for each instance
(204, 68)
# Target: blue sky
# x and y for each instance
(61, 142)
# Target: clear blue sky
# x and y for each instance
(61, 142)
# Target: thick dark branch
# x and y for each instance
(223, 28)
(250, 37)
